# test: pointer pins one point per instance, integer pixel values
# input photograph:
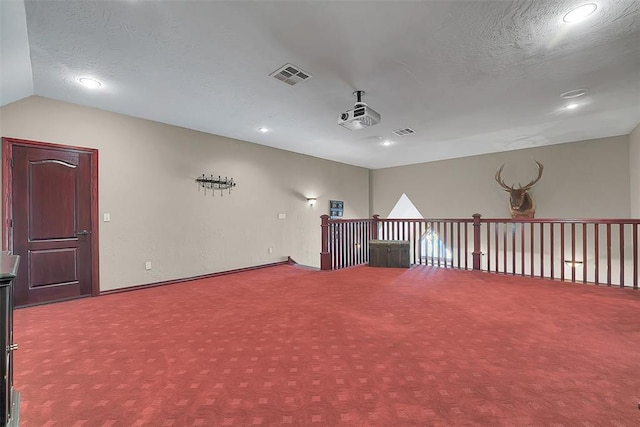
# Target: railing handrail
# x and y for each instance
(347, 221)
(564, 220)
(468, 220)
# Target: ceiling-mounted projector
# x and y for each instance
(362, 116)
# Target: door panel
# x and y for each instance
(53, 267)
(52, 216)
(52, 189)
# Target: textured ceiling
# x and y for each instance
(470, 77)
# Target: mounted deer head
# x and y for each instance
(520, 202)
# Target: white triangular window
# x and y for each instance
(431, 249)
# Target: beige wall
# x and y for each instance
(147, 174)
(634, 167)
(588, 179)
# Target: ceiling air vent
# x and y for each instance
(403, 132)
(290, 74)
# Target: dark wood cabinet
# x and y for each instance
(9, 398)
(389, 253)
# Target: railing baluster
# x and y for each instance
(584, 252)
(513, 247)
(412, 232)
(596, 249)
(339, 245)
(532, 243)
(635, 256)
(419, 239)
(447, 242)
(608, 254)
(488, 246)
(522, 237)
(432, 241)
(541, 249)
(444, 243)
(439, 244)
(466, 247)
(332, 244)
(347, 244)
(336, 245)
(562, 264)
(552, 244)
(343, 245)
(363, 240)
(426, 242)
(452, 244)
(496, 231)
(573, 252)
(368, 238)
(356, 245)
(504, 246)
(458, 246)
(352, 246)
(621, 227)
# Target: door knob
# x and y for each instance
(82, 233)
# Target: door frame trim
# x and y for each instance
(7, 199)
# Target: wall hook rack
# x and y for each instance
(216, 183)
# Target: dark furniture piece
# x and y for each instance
(389, 253)
(9, 398)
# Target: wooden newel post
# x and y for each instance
(325, 255)
(374, 227)
(476, 241)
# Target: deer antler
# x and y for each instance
(501, 181)
(540, 168)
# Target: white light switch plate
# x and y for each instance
(282, 216)
(107, 217)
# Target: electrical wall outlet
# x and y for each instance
(147, 265)
(270, 250)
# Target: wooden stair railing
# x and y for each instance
(598, 251)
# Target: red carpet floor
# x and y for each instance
(363, 347)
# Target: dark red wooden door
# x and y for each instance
(51, 199)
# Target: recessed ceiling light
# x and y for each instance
(580, 13)
(263, 130)
(89, 82)
(571, 106)
(387, 143)
(576, 93)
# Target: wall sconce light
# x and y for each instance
(311, 200)
(572, 264)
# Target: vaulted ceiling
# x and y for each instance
(469, 77)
